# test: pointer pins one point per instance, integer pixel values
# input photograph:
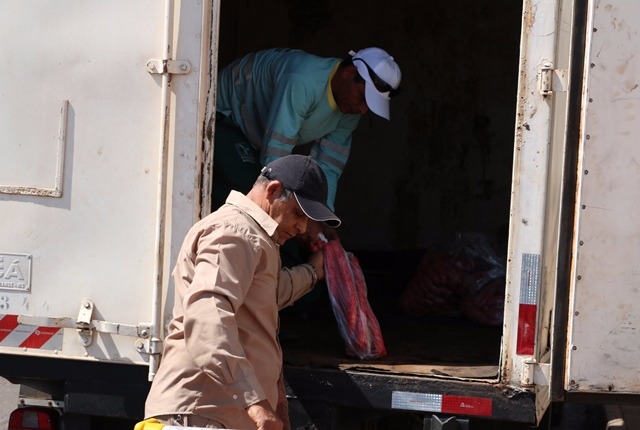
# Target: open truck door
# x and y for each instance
(102, 121)
(534, 241)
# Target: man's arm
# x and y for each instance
(332, 152)
(218, 288)
(297, 281)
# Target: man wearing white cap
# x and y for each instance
(270, 101)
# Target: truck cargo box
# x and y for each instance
(513, 134)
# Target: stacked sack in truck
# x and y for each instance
(467, 276)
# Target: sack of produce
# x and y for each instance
(467, 276)
(486, 305)
(437, 285)
(357, 323)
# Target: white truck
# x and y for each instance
(105, 113)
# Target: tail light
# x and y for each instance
(33, 418)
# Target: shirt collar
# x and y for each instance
(268, 224)
(330, 99)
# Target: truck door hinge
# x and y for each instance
(151, 346)
(83, 322)
(172, 67)
(534, 373)
(552, 80)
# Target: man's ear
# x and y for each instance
(349, 72)
(273, 190)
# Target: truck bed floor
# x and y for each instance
(442, 346)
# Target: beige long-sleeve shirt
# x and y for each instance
(221, 353)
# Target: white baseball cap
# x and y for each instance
(382, 78)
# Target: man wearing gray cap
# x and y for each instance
(222, 360)
(271, 101)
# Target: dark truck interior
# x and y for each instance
(438, 171)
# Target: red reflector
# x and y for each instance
(33, 418)
(526, 329)
(39, 337)
(7, 324)
(467, 405)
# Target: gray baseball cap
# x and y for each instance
(301, 175)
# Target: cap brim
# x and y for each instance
(317, 211)
(378, 103)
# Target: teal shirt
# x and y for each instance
(281, 98)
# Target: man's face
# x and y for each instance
(349, 95)
(290, 218)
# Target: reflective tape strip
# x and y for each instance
(528, 306)
(8, 324)
(459, 405)
(530, 279)
(13, 334)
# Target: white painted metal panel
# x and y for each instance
(534, 200)
(536, 193)
(100, 171)
(604, 348)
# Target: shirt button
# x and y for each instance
(235, 397)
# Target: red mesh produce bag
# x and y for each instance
(467, 277)
(348, 294)
(437, 285)
(486, 305)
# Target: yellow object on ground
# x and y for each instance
(150, 424)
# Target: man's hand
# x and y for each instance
(263, 415)
(316, 230)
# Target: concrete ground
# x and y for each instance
(8, 401)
